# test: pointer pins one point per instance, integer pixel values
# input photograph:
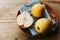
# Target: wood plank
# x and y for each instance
(9, 8)
(9, 31)
(8, 21)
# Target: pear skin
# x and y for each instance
(37, 10)
(43, 25)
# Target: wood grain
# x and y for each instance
(9, 29)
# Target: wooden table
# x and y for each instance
(9, 29)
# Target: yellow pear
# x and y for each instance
(37, 10)
(42, 25)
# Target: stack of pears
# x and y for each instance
(25, 20)
(42, 25)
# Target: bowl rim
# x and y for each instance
(53, 13)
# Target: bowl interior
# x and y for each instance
(51, 13)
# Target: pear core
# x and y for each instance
(24, 20)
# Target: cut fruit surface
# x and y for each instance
(24, 19)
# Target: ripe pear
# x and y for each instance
(37, 10)
(24, 20)
(43, 25)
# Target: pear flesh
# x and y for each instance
(24, 20)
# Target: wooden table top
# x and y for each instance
(9, 29)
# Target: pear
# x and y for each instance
(37, 10)
(24, 20)
(43, 25)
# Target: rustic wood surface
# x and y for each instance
(9, 29)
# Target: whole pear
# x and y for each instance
(37, 10)
(43, 25)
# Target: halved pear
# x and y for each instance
(24, 20)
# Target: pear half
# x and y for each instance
(24, 20)
(43, 25)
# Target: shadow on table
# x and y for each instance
(49, 36)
